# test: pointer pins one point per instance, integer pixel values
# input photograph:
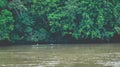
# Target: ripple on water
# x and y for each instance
(109, 63)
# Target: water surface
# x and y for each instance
(83, 55)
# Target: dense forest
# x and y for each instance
(59, 20)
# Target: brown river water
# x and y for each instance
(55, 55)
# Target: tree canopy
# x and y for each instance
(49, 20)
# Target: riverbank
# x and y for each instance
(80, 41)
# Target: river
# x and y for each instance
(56, 55)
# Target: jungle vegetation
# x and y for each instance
(56, 20)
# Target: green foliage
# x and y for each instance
(40, 35)
(28, 26)
(6, 24)
(41, 7)
(86, 19)
(3, 3)
(23, 27)
(43, 20)
(6, 21)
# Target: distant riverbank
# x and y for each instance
(80, 41)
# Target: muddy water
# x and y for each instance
(83, 55)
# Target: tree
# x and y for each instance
(6, 21)
(54, 20)
(86, 19)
